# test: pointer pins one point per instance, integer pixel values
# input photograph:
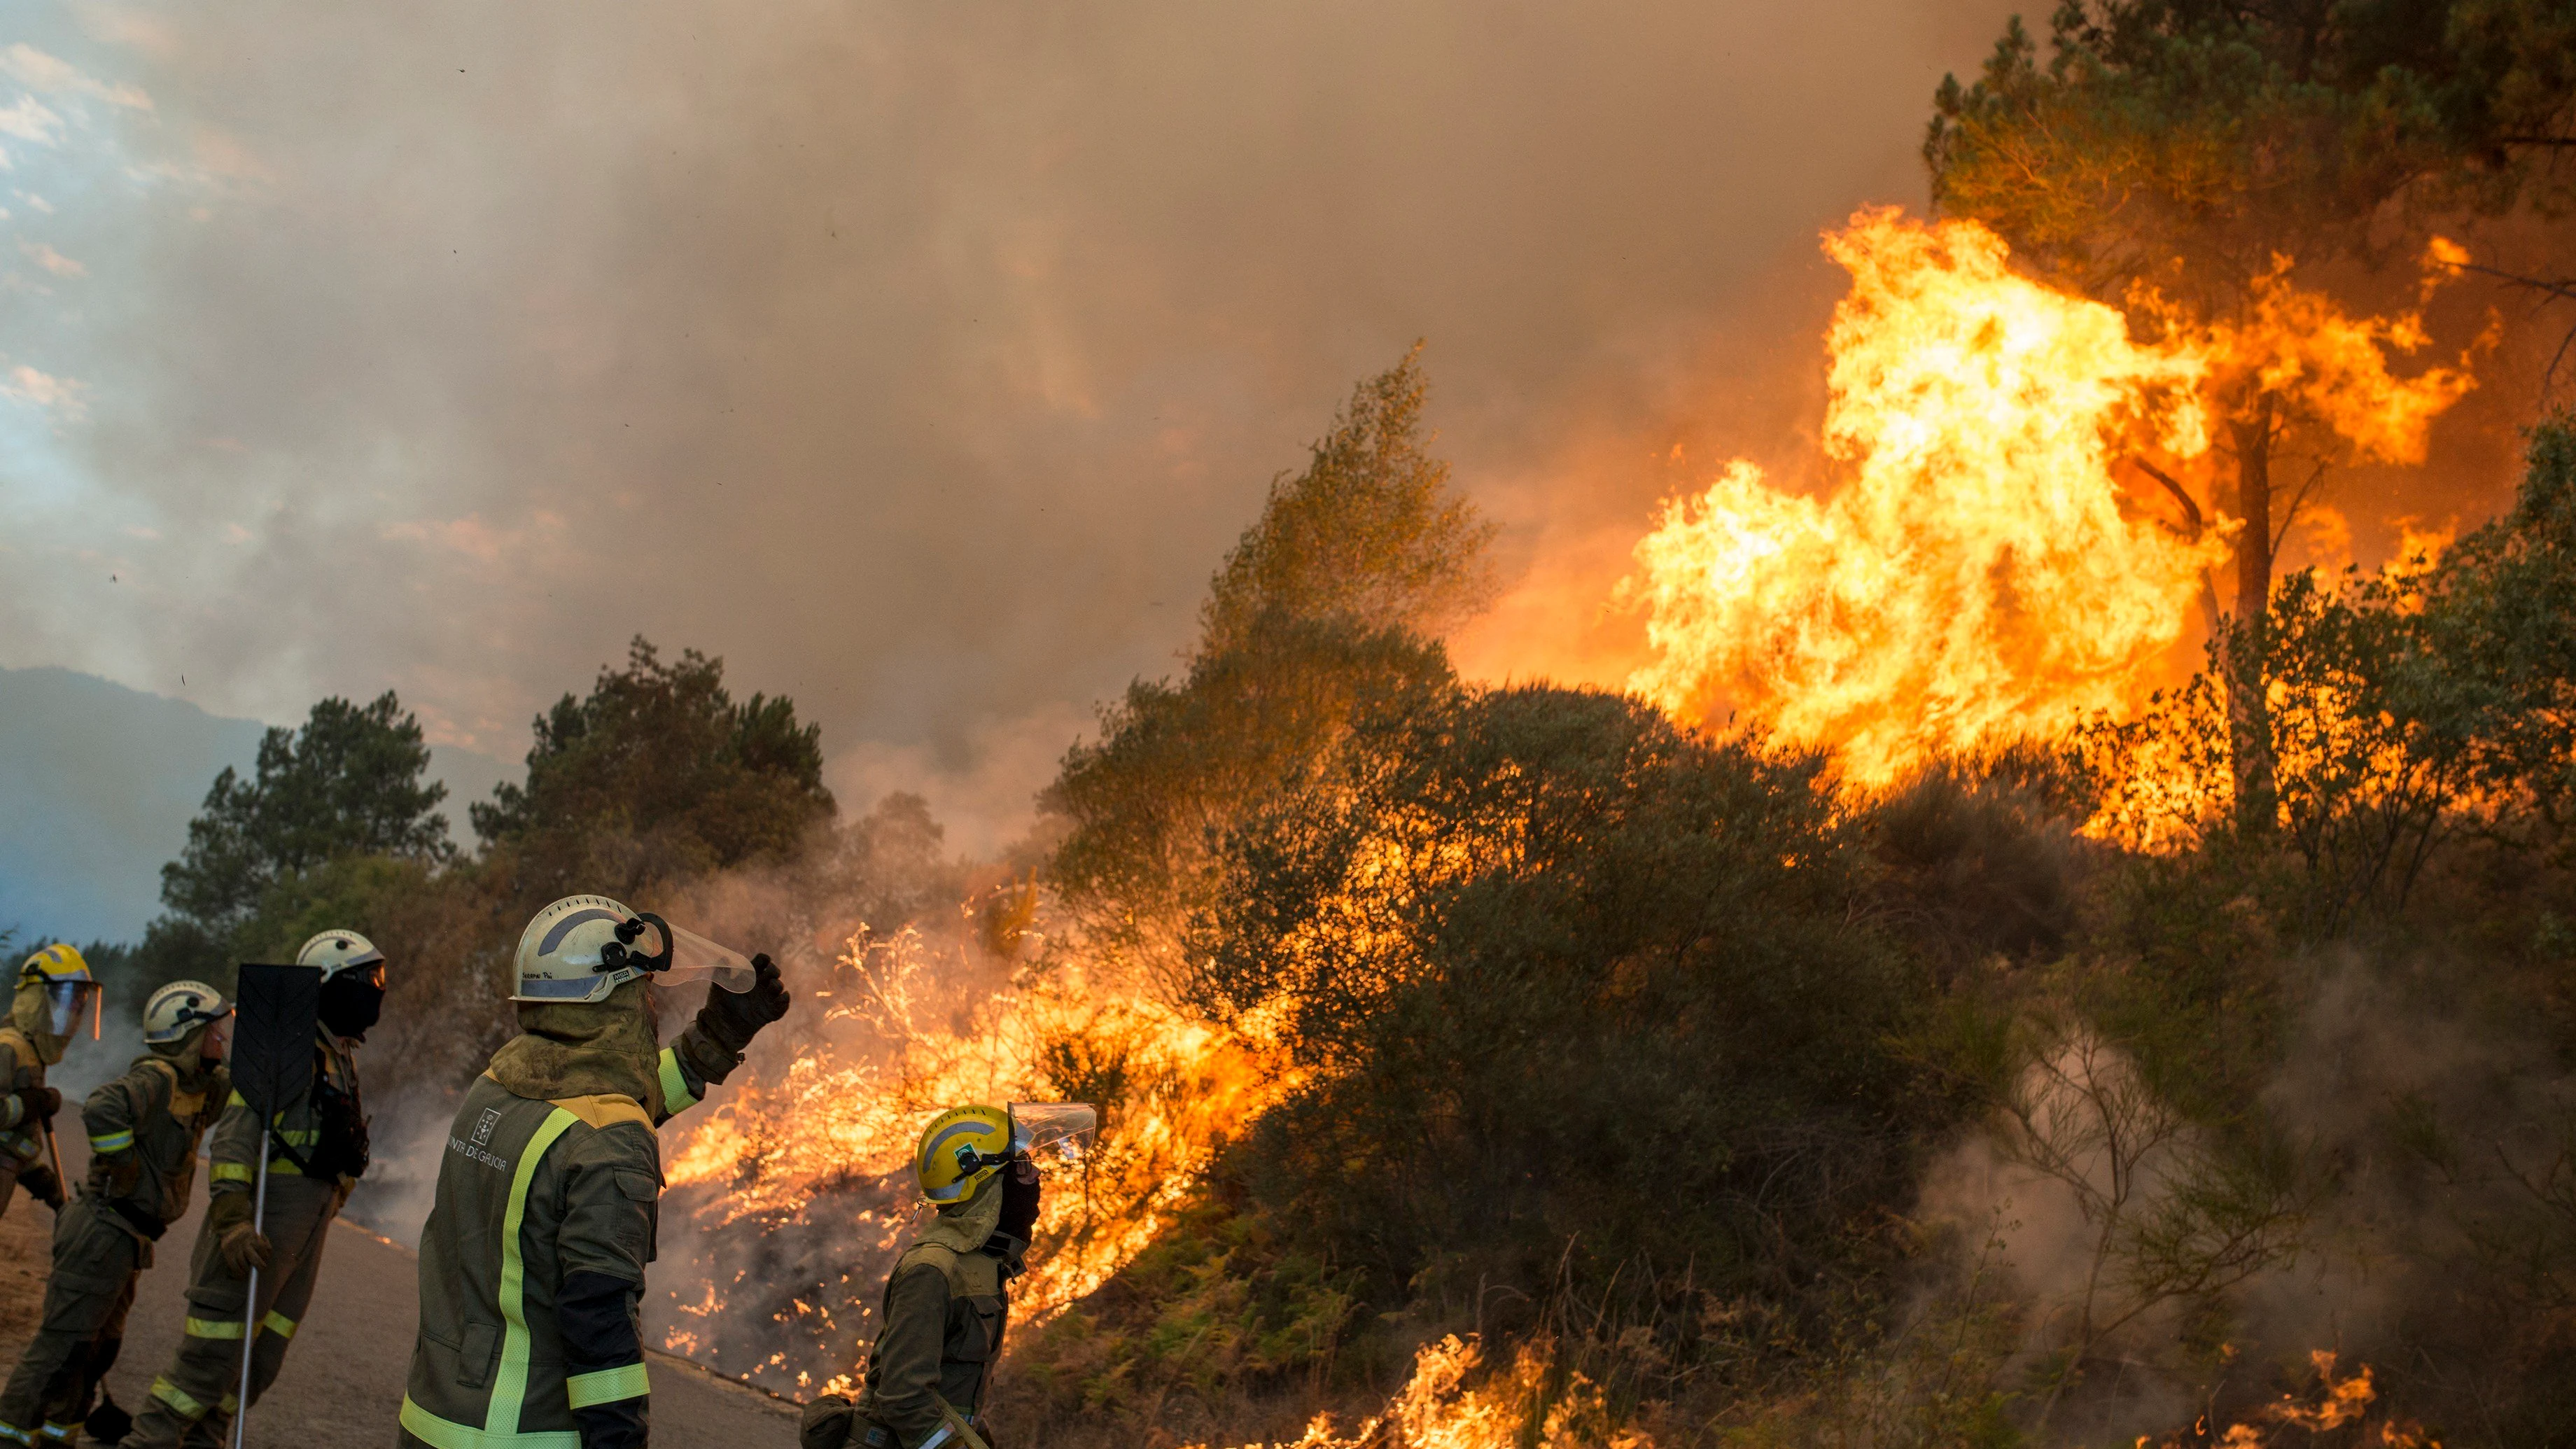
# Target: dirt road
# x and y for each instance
(344, 1381)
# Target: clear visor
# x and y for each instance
(694, 957)
(66, 1002)
(1065, 1129)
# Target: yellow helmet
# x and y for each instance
(959, 1149)
(70, 992)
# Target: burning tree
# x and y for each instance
(2175, 155)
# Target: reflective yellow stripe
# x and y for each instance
(277, 1323)
(177, 1397)
(214, 1328)
(14, 1435)
(510, 1383)
(59, 1433)
(230, 1172)
(438, 1433)
(607, 1386)
(113, 1142)
(676, 1096)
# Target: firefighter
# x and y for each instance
(143, 1133)
(55, 990)
(317, 1151)
(532, 1261)
(947, 1301)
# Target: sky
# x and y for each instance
(921, 361)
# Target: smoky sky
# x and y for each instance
(919, 359)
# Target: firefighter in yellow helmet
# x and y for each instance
(947, 1302)
(143, 1133)
(532, 1262)
(317, 1150)
(55, 991)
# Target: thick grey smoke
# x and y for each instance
(921, 360)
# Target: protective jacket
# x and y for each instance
(22, 1142)
(532, 1261)
(143, 1133)
(316, 1150)
(946, 1307)
(323, 1137)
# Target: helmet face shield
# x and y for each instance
(581, 948)
(1066, 1129)
(695, 958)
(66, 1002)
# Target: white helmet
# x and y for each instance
(583, 947)
(338, 951)
(176, 1010)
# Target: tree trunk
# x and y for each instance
(2249, 709)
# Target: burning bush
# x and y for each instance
(1567, 989)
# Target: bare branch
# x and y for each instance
(2190, 507)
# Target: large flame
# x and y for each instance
(1975, 580)
(1982, 576)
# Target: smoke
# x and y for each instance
(918, 361)
(2421, 1226)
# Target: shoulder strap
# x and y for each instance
(607, 1110)
(958, 1426)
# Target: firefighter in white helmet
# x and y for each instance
(143, 1133)
(55, 992)
(317, 1151)
(532, 1262)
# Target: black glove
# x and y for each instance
(731, 1019)
(1020, 1191)
(38, 1104)
(108, 1424)
(43, 1186)
(827, 1424)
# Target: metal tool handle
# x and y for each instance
(250, 1301)
(54, 1149)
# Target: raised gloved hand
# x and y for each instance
(827, 1423)
(732, 1018)
(43, 1186)
(38, 1104)
(243, 1248)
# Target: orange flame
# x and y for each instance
(1441, 1409)
(894, 1051)
(1976, 580)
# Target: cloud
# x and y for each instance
(28, 120)
(51, 260)
(473, 537)
(50, 75)
(24, 384)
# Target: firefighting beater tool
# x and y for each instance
(272, 1068)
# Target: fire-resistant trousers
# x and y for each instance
(96, 1260)
(192, 1402)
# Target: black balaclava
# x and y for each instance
(350, 1004)
(1019, 1200)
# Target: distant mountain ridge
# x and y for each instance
(97, 785)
